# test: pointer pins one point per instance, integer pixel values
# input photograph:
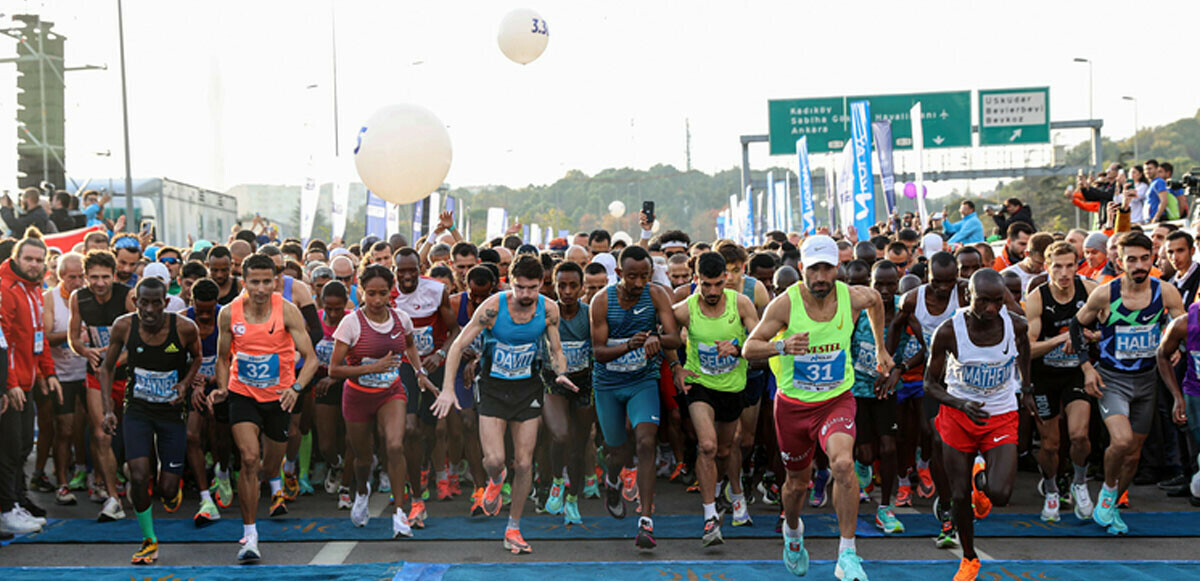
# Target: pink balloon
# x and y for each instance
(910, 190)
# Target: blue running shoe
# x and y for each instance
(819, 481)
(795, 556)
(554, 502)
(571, 511)
(849, 567)
(863, 471)
(1106, 507)
(1118, 526)
(306, 488)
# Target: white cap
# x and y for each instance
(932, 244)
(610, 265)
(819, 249)
(157, 270)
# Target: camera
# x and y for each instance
(1190, 181)
(994, 208)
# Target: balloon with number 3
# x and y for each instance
(523, 35)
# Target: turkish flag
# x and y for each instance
(65, 241)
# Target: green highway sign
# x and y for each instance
(1014, 116)
(826, 120)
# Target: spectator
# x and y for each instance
(969, 230)
(93, 206)
(1095, 252)
(1138, 199)
(1014, 211)
(1160, 200)
(1014, 248)
(61, 214)
(1101, 189)
(33, 214)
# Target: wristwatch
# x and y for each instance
(422, 371)
(296, 387)
(779, 347)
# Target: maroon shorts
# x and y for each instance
(800, 426)
(666, 387)
(359, 405)
(959, 432)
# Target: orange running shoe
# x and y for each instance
(927, 488)
(629, 486)
(513, 541)
(1123, 502)
(417, 515)
(491, 496)
(904, 496)
(455, 487)
(983, 504)
(477, 502)
(968, 570)
(443, 490)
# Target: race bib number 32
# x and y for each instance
(258, 371)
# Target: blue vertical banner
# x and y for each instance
(748, 234)
(808, 216)
(376, 216)
(788, 221)
(887, 175)
(525, 233)
(418, 219)
(863, 179)
(721, 226)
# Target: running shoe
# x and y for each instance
(306, 487)
(477, 503)
(491, 497)
(344, 501)
(64, 496)
(291, 487)
(1082, 500)
(849, 566)
(79, 480)
(249, 552)
(505, 493)
(613, 501)
(968, 570)
(146, 555)
(694, 487)
(645, 534)
(712, 532)
(401, 526)
(1124, 501)
(795, 556)
(1194, 485)
(514, 542)
(424, 481)
(385, 483)
(679, 474)
(863, 497)
(97, 493)
(724, 499)
(741, 516)
(926, 488)
(571, 511)
(863, 471)
(111, 511)
(40, 483)
(443, 489)
(903, 495)
(769, 492)
(1106, 507)
(207, 514)
(278, 504)
(223, 492)
(13, 523)
(629, 485)
(591, 487)
(1118, 526)
(1050, 508)
(554, 500)
(979, 498)
(33, 518)
(820, 481)
(172, 504)
(455, 486)
(333, 478)
(887, 522)
(417, 514)
(948, 537)
(360, 513)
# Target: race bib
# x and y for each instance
(578, 354)
(208, 366)
(259, 371)
(381, 380)
(423, 337)
(911, 347)
(1060, 358)
(1136, 341)
(713, 364)
(477, 344)
(99, 336)
(155, 386)
(633, 361)
(819, 372)
(324, 351)
(985, 378)
(38, 342)
(864, 358)
(1195, 363)
(513, 361)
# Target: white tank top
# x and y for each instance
(929, 322)
(67, 365)
(984, 374)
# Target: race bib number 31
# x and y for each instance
(155, 386)
(513, 361)
(819, 371)
(258, 371)
(1136, 341)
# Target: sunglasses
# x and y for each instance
(346, 278)
(169, 260)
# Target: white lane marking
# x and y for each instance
(333, 553)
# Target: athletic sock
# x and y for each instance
(645, 520)
(400, 512)
(793, 533)
(305, 454)
(222, 473)
(1080, 474)
(513, 524)
(612, 483)
(145, 521)
(845, 543)
(250, 532)
(922, 464)
(710, 510)
(736, 498)
(1109, 489)
(206, 495)
(80, 468)
(289, 466)
(276, 485)
(1050, 486)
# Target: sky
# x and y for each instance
(219, 90)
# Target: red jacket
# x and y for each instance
(21, 319)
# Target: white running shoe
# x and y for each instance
(1082, 500)
(15, 523)
(1196, 485)
(385, 483)
(249, 552)
(360, 513)
(1050, 508)
(400, 526)
(112, 511)
(40, 521)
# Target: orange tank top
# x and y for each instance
(262, 356)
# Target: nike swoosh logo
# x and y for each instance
(1005, 352)
(640, 311)
(398, 333)
(272, 331)
(839, 322)
(175, 464)
(1103, 409)
(849, 425)
(994, 440)
(655, 418)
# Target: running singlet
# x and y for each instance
(576, 337)
(826, 371)
(510, 349)
(1191, 378)
(98, 318)
(422, 306)
(372, 345)
(749, 285)
(987, 375)
(324, 347)
(1129, 339)
(716, 372)
(261, 355)
(67, 365)
(208, 345)
(235, 288)
(929, 321)
(154, 371)
(634, 366)
(862, 351)
(1056, 320)
(464, 318)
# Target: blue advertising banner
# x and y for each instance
(418, 219)
(883, 146)
(750, 226)
(376, 216)
(863, 179)
(808, 217)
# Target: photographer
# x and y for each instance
(1014, 211)
(1100, 189)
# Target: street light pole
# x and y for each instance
(130, 225)
(1136, 155)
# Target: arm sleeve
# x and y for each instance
(315, 331)
(1077, 341)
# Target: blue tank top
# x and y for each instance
(576, 337)
(1129, 339)
(208, 346)
(287, 287)
(634, 366)
(511, 349)
(862, 352)
(749, 284)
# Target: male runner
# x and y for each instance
(1183, 334)
(1057, 380)
(713, 381)
(260, 334)
(96, 306)
(627, 347)
(220, 268)
(203, 311)
(514, 323)
(160, 373)
(1131, 311)
(481, 283)
(973, 372)
(70, 369)
(814, 405)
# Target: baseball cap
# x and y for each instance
(819, 249)
(157, 270)
(932, 244)
(200, 245)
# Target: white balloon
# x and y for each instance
(403, 153)
(616, 208)
(523, 35)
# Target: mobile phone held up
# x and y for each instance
(648, 211)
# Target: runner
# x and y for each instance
(627, 347)
(220, 268)
(71, 369)
(1131, 311)
(203, 312)
(813, 405)
(160, 373)
(328, 399)
(256, 364)
(973, 373)
(1057, 380)
(717, 320)
(481, 284)
(509, 395)
(96, 306)
(366, 356)
(1183, 334)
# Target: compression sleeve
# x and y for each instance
(1077, 341)
(315, 331)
